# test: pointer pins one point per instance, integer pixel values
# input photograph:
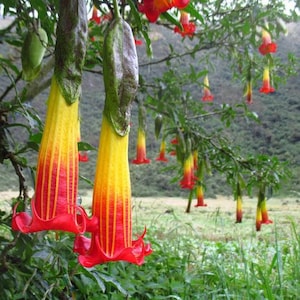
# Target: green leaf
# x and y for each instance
(194, 12)
(83, 146)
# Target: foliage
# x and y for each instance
(226, 30)
(184, 265)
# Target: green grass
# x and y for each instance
(201, 255)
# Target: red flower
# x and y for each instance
(266, 87)
(207, 95)
(138, 42)
(264, 213)
(188, 180)
(83, 156)
(258, 217)
(54, 205)
(200, 196)
(188, 28)
(248, 92)
(153, 8)
(162, 152)
(141, 149)
(267, 45)
(95, 16)
(111, 240)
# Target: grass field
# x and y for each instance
(200, 255)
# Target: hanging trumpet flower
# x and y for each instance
(162, 152)
(239, 203)
(188, 28)
(199, 186)
(54, 205)
(262, 212)
(112, 240)
(188, 180)
(207, 95)
(141, 157)
(267, 45)
(266, 87)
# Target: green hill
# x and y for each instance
(277, 134)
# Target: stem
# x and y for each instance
(188, 208)
(116, 9)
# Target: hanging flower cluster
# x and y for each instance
(54, 205)
(262, 216)
(267, 47)
(153, 8)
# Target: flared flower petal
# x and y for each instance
(267, 45)
(141, 157)
(54, 205)
(207, 95)
(266, 87)
(188, 28)
(153, 8)
(111, 240)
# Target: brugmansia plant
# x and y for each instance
(47, 34)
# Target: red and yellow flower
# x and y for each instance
(162, 152)
(207, 95)
(54, 204)
(249, 92)
(188, 28)
(267, 45)
(239, 204)
(111, 240)
(266, 87)
(153, 8)
(188, 180)
(141, 156)
(200, 196)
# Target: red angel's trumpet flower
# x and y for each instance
(188, 180)
(153, 8)
(239, 204)
(141, 157)
(266, 87)
(95, 15)
(54, 206)
(258, 217)
(264, 213)
(248, 92)
(207, 95)
(162, 152)
(188, 28)
(200, 196)
(239, 210)
(112, 240)
(267, 45)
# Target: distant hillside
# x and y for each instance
(278, 134)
